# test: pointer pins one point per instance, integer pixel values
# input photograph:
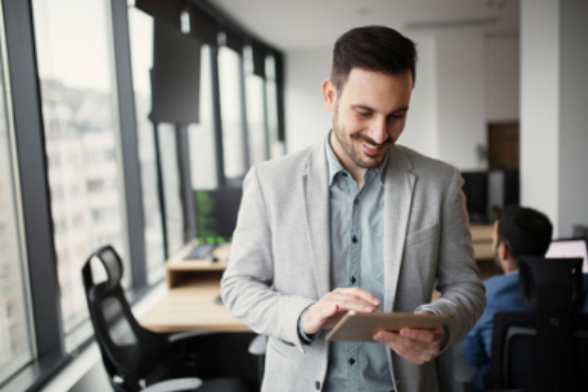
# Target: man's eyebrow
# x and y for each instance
(364, 107)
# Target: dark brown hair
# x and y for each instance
(373, 48)
(525, 231)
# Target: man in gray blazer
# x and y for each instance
(356, 223)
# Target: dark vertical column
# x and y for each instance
(218, 128)
(32, 163)
(160, 193)
(279, 58)
(129, 143)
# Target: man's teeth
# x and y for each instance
(370, 146)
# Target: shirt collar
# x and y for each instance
(334, 166)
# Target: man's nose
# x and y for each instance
(378, 130)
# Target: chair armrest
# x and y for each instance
(176, 337)
(258, 345)
(175, 385)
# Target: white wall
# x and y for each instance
(421, 131)
(554, 119)
(461, 97)
(573, 159)
(539, 105)
(502, 77)
(307, 118)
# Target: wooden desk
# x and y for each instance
(482, 241)
(483, 250)
(189, 305)
(193, 285)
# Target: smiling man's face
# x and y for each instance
(368, 116)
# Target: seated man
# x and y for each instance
(517, 231)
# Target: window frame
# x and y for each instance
(48, 340)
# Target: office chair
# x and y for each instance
(545, 350)
(135, 358)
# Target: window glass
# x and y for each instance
(276, 146)
(232, 118)
(141, 35)
(174, 213)
(15, 342)
(74, 54)
(256, 124)
(201, 136)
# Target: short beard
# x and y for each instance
(349, 149)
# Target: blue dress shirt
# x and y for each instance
(357, 260)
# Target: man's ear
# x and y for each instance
(330, 94)
(503, 251)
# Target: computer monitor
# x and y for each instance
(569, 248)
(216, 214)
(475, 189)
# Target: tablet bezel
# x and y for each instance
(361, 327)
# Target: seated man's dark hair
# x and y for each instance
(525, 231)
(372, 48)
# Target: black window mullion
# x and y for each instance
(32, 163)
(279, 69)
(160, 192)
(216, 107)
(129, 144)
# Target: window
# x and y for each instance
(230, 73)
(74, 52)
(256, 118)
(201, 136)
(277, 147)
(15, 335)
(141, 33)
(174, 213)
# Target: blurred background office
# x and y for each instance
(121, 119)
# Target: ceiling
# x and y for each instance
(303, 24)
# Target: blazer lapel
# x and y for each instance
(399, 188)
(316, 216)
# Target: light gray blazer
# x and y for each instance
(280, 259)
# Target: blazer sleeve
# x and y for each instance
(458, 277)
(246, 286)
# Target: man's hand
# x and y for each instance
(325, 313)
(416, 345)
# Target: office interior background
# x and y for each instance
(99, 143)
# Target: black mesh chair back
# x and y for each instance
(543, 350)
(130, 353)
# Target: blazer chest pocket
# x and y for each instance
(422, 236)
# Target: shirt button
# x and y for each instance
(352, 279)
(344, 174)
(356, 201)
(351, 361)
(317, 385)
(354, 239)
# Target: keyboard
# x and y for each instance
(200, 251)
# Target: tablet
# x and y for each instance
(361, 327)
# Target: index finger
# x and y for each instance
(361, 293)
